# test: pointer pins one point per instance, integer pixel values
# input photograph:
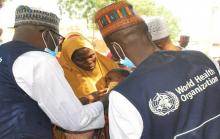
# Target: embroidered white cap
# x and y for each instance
(157, 26)
(27, 15)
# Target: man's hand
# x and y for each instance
(100, 95)
(84, 100)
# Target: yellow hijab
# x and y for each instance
(83, 82)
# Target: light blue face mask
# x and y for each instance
(127, 62)
(53, 53)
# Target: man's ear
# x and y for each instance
(148, 34)
(46, 35)
(110, 47)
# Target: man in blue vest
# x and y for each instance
(33, 90)
(171, 94)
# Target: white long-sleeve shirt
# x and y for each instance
(125, 122)
(42, 78)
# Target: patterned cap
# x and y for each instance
(115, 17)
(25, 15)
(157, 26)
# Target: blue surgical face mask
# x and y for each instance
(53, 53)
(127, 62)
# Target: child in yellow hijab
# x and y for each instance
(83, 81)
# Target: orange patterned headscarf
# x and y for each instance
(83, 82)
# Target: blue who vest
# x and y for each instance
(20, 116)
(177, 95)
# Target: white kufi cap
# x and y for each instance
(157, 26)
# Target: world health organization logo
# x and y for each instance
(164, 103)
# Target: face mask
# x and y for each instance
(127, 62)
(53, 53)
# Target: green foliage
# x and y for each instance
(87, 8)
(82, 8)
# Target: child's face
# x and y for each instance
(114, 77)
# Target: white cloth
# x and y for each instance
(125, 122)
(42, 78)
(157, 26)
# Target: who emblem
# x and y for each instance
(164, 103)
